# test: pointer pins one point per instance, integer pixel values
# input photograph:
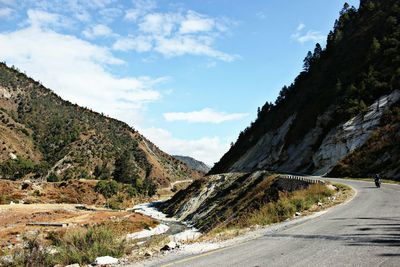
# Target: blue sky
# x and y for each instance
(189, 74)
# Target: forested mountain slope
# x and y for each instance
(341, 115)
(43, 136)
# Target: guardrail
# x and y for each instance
(302, 178)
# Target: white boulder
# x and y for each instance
(106, 260)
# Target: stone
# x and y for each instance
(298, 214)
(73, 265)
(331, 187)
(106, 260)
(148, 254)
(170, 246)
(319, 204)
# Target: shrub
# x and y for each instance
(107, 188)
(285, 206)
(53, 178)
(16, 169)
(284, 209)
(85, 246)
(32, 254)
(131, 191)
(114, 204)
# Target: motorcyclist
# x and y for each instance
(377, 180)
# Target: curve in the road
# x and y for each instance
(365, 232)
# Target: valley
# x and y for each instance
(82, 188)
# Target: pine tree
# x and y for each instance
(317, 51)
(125, 170)
(307, 61)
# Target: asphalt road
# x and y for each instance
(363, 232)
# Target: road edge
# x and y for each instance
(181, 256)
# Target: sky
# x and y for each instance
(189, 74)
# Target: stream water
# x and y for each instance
(177, 230)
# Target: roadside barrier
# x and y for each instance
(301, 178)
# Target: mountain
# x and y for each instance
(341, 115)
(194, 164)
(43, 136)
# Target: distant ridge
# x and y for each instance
(194, 164)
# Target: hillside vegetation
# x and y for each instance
(341, 112)
(44, 137)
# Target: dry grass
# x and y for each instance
(79, 246)
(304, 201)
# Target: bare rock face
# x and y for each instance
(346, 138)
(298, 156)
(5, 93)
(319, 150)
(266, 152)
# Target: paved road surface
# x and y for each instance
(364, 232)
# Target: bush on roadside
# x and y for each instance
(32, 254)
(84, 246)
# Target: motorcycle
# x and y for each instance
(378, 183)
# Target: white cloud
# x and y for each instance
(195, 22)
(182, 45)
(313, 36)
(301, 37)
(5, 12)
(207, 149)
(77, 70)
(206, 115)
(301, 26)
(98, 3)
(141, 8)
(176, 34)
(159, 24)
(111, 13)
(140, 44)
(98, 30)
(39, 18)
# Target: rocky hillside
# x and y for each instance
(341, 114)
(194, 164)
(43, 136)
